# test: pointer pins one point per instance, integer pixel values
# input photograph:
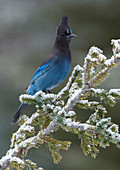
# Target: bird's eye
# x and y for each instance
(63, 34)
(66, 32)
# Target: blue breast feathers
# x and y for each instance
(50, 75)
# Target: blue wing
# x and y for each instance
(41, 71)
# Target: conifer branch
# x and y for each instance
(56, 110)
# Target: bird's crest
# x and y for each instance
(63, 25)
(64, 20)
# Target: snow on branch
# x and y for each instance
(56, 110)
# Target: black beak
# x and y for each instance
(71, 36)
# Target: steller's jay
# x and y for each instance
(55, 68)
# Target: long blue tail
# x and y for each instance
(19, 112)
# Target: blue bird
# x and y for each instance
(55, 68)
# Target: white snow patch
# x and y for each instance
(116, 91)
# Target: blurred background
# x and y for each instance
(27, 33)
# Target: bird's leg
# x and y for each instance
(45, 91)
(49, 91)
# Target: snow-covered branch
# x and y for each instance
(56, 110)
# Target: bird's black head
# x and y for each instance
(64, 33)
